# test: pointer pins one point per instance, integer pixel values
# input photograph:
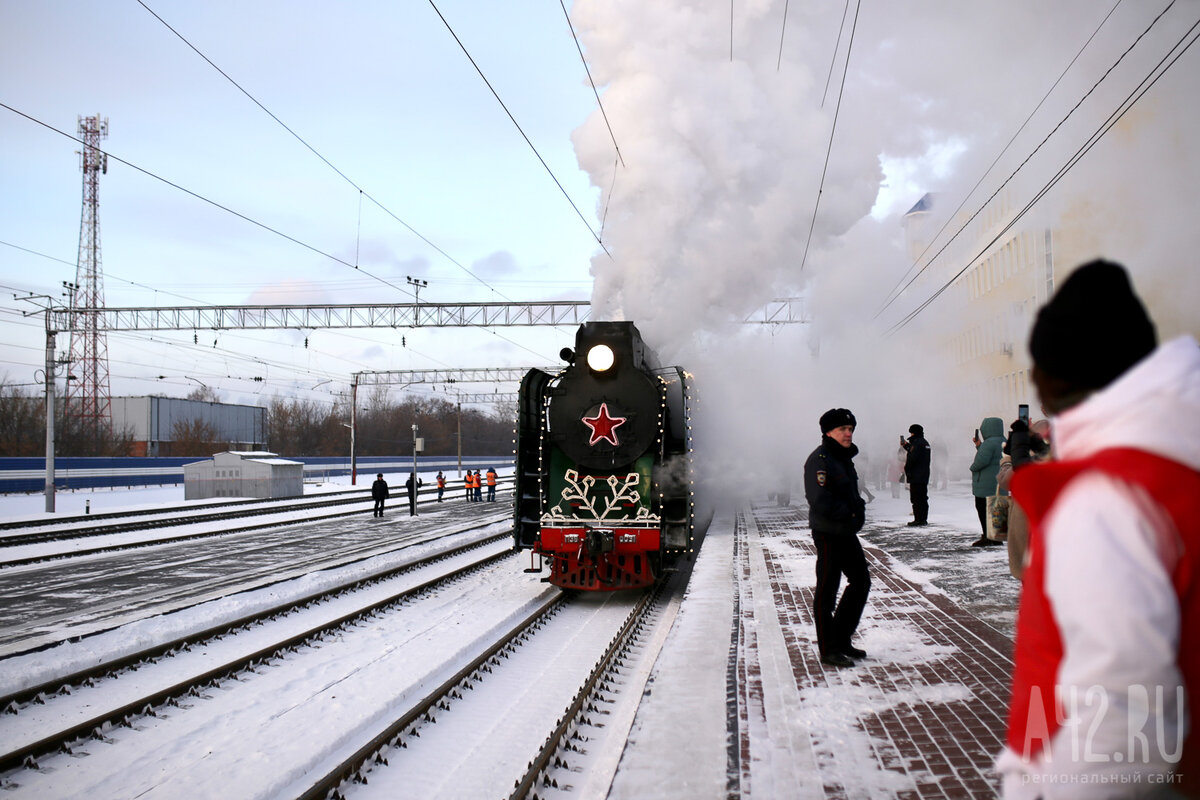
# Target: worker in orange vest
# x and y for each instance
(491, 484)
(441, 484)
(470, 482)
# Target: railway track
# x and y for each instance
(85, 520)
(33, 531)
(565, 720)
(477, 684)
(65, 538)
(49, 718)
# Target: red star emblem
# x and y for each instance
(603, 425)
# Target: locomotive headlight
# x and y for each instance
(600, 358)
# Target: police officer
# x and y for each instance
(836, 513)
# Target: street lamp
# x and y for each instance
(418, 446)
(353, 465)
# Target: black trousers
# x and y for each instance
(919, 493)
(379, 508)
(981, 508)
(837, 555)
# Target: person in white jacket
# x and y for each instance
(1107, 656)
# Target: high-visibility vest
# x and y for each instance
(491, 476)
(441, 482)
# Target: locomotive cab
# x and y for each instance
(603, 469)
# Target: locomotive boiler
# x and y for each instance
(604, 477)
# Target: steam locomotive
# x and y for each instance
(604, 476)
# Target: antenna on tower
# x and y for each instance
(88, 408)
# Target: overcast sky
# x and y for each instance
(380, 90)
(731, 124)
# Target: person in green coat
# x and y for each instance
(988, 451)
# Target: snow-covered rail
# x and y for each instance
(93, 704)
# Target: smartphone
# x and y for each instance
(1023, 413)
(977, 434)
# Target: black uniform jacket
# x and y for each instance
(831, 486)
(916, 465)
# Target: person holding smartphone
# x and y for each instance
(988, 451)
(916, 473)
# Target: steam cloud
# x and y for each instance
(723, 135)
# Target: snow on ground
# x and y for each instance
(939, 558)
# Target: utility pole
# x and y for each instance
(49, 488)
(353, 427)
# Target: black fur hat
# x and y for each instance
(1093, 329)
(916, 430)
(836, 418)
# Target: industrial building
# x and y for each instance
(158, 423)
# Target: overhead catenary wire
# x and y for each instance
(833, 58)
(313, 150)
(520, 130)
(832, 132)
(894, 294)
(191, 193)
(595, 91)
(782, 32)
(1123, 108)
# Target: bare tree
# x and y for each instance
(22, 421)
(193, 437)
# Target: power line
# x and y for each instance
(832, 131)
(1020, 166)
(892, 294)
(313, 150)
(1123, 108)
(782, 31)
(595, 91)
(837, 46)
(492, 89)
(196, 195)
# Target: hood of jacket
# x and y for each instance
(991, 426)
(1154, 406)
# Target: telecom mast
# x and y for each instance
(88, 404)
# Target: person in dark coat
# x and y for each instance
(916, 473)
(412, 484)
(379, 493)
(836, 514)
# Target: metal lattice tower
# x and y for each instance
(88, 402)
